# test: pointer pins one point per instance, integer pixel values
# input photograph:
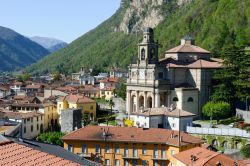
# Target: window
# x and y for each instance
(37, 119)
(143, 54)
(24, 121)
(31, 120)
(107, 162)
(160, 75)
(163, 153)
(117, 162)
(31, 128)
(134, 152)
(91, 107)
(125, 162)
(144, 162)
(41, 118)
(107, 149)
(175, 99)
(155, 163)
(172, 152)
(190, 99)
(173, 124)
(28, 119)
(126, 151)
(37, 126)
(84, 149)
(144, 151)
(155, 152)
(134, 162)
(117, 150)
(97, 149)
(70, 148)
(24, 129)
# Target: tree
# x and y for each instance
(86, 118)
(111, 104)
(24, 77)
(52, 137)
(216, 109)
(57, 77)
(233, 80)
(245, 151)
(121, 91)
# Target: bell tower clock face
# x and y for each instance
(142, 74)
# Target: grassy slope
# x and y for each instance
(214, 23)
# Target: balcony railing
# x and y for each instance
(86, 155)
(127, 156)
(159, 158)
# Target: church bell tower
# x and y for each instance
(147, 49)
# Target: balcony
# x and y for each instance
(160, 158)
(126, 156)
(85, 155)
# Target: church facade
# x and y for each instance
(181, 80)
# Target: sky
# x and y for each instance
(61, 19)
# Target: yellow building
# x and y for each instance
(129, 146)
(77, 101)
(50, 115)
(107, 93)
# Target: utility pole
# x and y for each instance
(179, 128)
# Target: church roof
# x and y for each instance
(164, 111)
(187, 48)
(200, 63)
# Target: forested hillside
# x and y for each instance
(214, 23)
(17, 51)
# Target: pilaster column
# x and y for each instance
(153, 100)
(137, 101)
(157, 99)
(145, 100)
(128, 100)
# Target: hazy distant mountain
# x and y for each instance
(17, 51)
(50, 44)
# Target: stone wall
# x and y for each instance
(71, 119)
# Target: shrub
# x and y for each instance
(245, 151)
(52, 138)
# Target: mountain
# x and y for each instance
(50, 44)
(215, 24)
(17, 51)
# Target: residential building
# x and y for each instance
(87, 105)
(83, 71)
(32, 123)
(71, 119)
(4, 91)
(162, 117)
(129, 145)
(87, 80)
(91, 91)
(107, 93)
(182, 78)
(26, 152)
(202, 157)
(17, 87)
(118, 72)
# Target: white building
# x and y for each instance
(162, 117)
(32, 122)
(182, 78)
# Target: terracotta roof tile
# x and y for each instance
(164, 111)
(20, 115)
(76, 99)
(16, 154)
(132, 134)
(204, 157)
(187, 48)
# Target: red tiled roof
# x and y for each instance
(200, 63)
(187, 48)
(110, 79)
(66, 88)
(132, 134)
(17, 83)
(33, 87)
(164, 111)
(16, 154)
(204, 157)
(20, 115)
(76, 99)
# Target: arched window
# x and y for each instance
(152, 54)
(143, 54)
(175, 99)
(190, 99)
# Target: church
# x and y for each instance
(182, 79)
